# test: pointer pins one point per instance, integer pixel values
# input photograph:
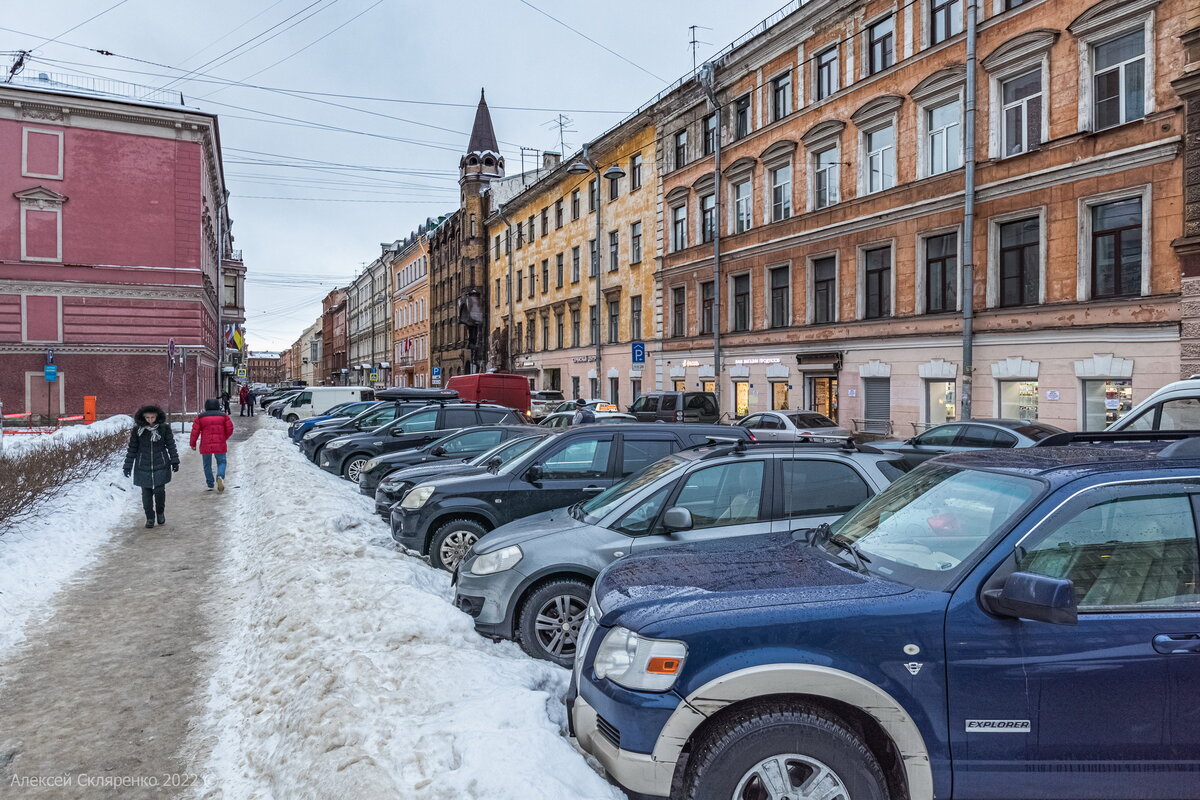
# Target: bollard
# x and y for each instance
(89, 409)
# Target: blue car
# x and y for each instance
(995, 624)
(300, 427)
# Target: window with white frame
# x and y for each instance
(678, 228)
(826, 77)
(881, 158)
(943, 137)
(1021, 112)
(781, 193)
(1119, 79)
(825, 177)
(743, 207)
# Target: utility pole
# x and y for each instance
(968, 266)
(708, 82)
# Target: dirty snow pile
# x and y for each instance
(344, 671)
(42, 553)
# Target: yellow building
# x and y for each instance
(572, 270)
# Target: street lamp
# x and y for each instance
(585, 166)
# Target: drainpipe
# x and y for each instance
(968, 266)
(708, 75)
(595, 259)
(508, 329)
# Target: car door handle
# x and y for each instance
(1171, 643)
(593, 489)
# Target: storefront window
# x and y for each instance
(779, 397)
(1105, 402)
(742, 394)
(708, 386)
(681, 386)
(824, 394)
(940, 402)
(1019, 400)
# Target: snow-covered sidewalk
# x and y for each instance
(41, 554)
(344, 670)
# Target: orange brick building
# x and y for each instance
(841, 212)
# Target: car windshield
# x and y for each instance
(505, 451)
(924, 528)
(599, 506)
(1037, 431)
(548, 395)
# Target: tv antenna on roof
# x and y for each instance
(562, 122)
(693, 42)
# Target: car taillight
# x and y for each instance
(752, 436)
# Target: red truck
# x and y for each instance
(493, 387)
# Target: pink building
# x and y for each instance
(110, 216)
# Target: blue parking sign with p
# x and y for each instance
(639, 352)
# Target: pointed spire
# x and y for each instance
(483, 136)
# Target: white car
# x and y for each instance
(1174, 407)
(543, 402)
(562, 419)
(792, 426)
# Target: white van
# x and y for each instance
(1174, 407)
(316, 400)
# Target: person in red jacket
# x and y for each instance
(244, 401)
(213, 428)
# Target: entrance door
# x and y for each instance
(823, 391)
(877, 404)
(741, 398)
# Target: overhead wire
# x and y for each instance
(80, 25)
(593, 41)
(227, 33)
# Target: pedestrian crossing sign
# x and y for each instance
(374, 377)
(241, 373)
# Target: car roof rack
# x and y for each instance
(1114, 437)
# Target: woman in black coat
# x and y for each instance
(151, 458)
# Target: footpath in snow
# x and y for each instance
(344, 671)
(68, 531)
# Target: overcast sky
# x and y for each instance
(305, 225)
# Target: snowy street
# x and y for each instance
(268, 642)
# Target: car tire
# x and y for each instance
(803, 746)
(451, 541)
(540, 625)
(352, 467)
(316, 455)
(291, 418)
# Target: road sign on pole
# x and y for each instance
(374, 377)
(639, 352)
(436, 373)
(241, 373)
(51, 372)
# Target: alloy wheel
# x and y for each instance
(790, 777)
(455, 546)
(557, 625)
(354, 469)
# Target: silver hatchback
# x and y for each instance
(530, 580)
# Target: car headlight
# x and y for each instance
(335, 444)
(637, 662)
(370, 465)
(417, 497)
(311, 435)
(499, 561)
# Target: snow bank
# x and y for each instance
(40, 555)
(19, 442)
(345, 672)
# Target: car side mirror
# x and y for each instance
(1027, 595)
(534, 473)
(438, 451)
(677, 518)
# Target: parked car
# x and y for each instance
(275, 408)
(493, 387)
(676, 407)
(993, 624)
(544, 401)
(316, 400)
(313, 442)
(792, 426)
(461, 446)
(275, 394)
(1174, 407)
(344, 411)
(973, 434)
(592, 403)
(391, 489)
(562, 419)
(443, 517)
(346, 455)
(530, 580)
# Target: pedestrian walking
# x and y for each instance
(243, 400)
(212, 428)
(225, 401)
(252, 401)
(583, 414)
(151, 458)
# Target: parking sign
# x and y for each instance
(639, 352)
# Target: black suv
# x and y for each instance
(445, 516)
(676, 407)
(346, 455)
(462, 446)
(391, 489)
(377, 416)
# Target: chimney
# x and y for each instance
(551, 160)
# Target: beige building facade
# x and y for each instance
(573, 270)
(410, 312)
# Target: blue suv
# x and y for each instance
(995, 624)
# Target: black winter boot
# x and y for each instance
(149, 522)
(162, 518)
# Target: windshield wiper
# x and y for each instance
(824, 533)
(573, 510)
